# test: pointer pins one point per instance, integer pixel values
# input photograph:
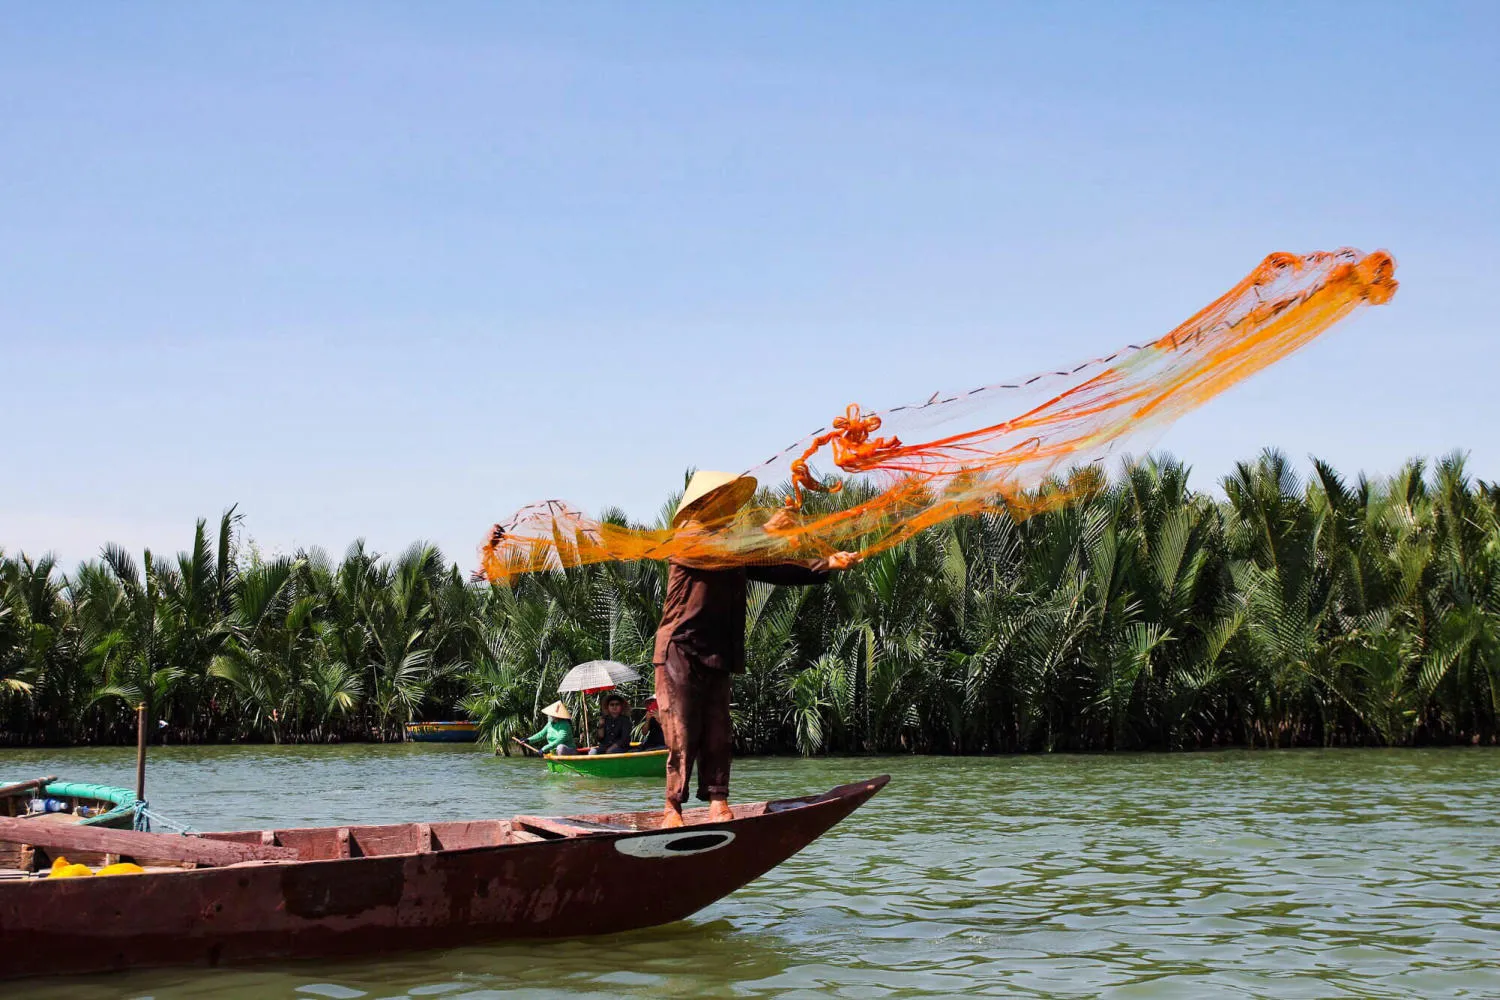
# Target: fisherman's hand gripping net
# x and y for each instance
(993, 448)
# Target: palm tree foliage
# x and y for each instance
(1134, 613)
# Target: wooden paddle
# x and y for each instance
(133, 844)
(528, 746)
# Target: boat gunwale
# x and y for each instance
(657, 752)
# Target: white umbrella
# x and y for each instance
(596, 675)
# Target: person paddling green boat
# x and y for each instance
(558, 734)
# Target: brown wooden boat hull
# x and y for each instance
(591, 879)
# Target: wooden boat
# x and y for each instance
(220, 898)
(636, 764)
(442, 732)
(49, 801)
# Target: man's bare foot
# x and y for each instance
(719, 811)
(671, 817)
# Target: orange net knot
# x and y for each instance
(853, 451)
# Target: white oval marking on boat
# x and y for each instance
(678, 844)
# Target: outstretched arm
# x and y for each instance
(802, 574)
(797, 574)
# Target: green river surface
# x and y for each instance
(1307, 873)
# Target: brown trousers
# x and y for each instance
(693, 704)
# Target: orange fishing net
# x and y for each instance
(996, 447)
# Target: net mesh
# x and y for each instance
(871, 480)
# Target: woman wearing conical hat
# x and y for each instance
(557, 735)
(701, 644)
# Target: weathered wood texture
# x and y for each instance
(132, 844)
(20, 786)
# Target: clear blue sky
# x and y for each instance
(394, 270)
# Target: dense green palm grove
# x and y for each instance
(1137, 614)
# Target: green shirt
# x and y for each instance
(559, 733)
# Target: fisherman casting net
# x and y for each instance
(992, 448)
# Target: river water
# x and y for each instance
(1370, 873)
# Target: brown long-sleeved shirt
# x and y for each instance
(703, 617)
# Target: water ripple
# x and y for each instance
(1301, 874)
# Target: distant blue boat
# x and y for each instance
(442, 732)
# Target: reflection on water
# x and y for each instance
(1292, 874)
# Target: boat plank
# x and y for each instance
(374, 841)
(453, 835)
(24, 786)
(526, 837)
(131, 843)
(568, 826)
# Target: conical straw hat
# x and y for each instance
(711, 495)
(558, 711)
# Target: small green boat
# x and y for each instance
(637, 764)
(79, 802)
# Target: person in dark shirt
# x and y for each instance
(614, 728)
(653, 739)
(700, 643)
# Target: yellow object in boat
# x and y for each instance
(61, 869)
(121, 868)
